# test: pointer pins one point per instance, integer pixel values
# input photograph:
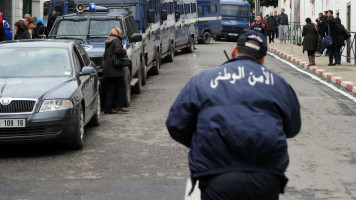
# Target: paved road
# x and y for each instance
(131, 156)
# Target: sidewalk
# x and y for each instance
(343, 75)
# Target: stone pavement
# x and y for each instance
(343, 75)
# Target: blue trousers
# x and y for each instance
(115, 92)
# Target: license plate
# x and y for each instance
(233, 34)
(12, 123)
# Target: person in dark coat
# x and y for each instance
(40, 29)
(114, 76)
(236, 119)
(275, 16)
(51, 20)
(310, 42)
(259, 26)
(2, 30)
(333, 33)
(21, 30)
(340, 41)
(272, 27)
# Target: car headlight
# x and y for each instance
(56, 104)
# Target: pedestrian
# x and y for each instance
(340, 41)
(276, 16)
(51, 19)
(7, 30)
(282, 21)
(272, 26)
(21, 30)
(259, 26)
(30, 26)
(330, 28)
(114, 77)
(40, 29)
(235, 119)
(2, 28)
(330, 13)
(310, 42)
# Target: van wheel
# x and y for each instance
(171, 54)
(155, 69)
(78, 138)
(144, 71)
(127, 87)
(190, 48)
(137, 88)
(206, 37)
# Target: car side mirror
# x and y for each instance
(177, 14)
(151, 16)
(164, 14)
(87, 71)
(136, 38)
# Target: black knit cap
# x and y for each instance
(255, 36)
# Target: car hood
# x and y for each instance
(30, 87)
(94, 48)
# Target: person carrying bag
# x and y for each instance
(115, 59)
(327, 40)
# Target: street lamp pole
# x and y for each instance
(291, 22)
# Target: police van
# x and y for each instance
(92, 27)
(209, 20)
(235, 18)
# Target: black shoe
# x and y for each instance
(112, 111)
(331, 64)
(338, 63)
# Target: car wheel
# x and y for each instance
(171, 54)
(77, 141)
(155, 69)
(206, 37)
(127, 87)
(138, 86)
(95, 120)
(144, 71)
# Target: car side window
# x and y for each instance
(83, 54)
(78, 61)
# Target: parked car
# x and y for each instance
(49, 90)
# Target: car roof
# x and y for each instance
(39, 43)
(112, 13)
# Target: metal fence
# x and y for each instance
(348, 51)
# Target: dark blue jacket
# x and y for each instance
(236, 118)
(259, 27)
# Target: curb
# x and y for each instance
(350, 86)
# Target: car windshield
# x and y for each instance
(34, 62)
(233, 10)
(71, 29)
(102, 28)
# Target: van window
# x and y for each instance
(212, 8)
(200, 10)
(194, 8)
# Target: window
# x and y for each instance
(200, 10)
(212, 9)
(232, 10)
(131, 25)
(181, 9)
(54, 62)
(83, 54)
(187, 8)
(194, 8)
(102, 28)
(71, 28)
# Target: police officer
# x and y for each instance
(235, 119)
(259, 25)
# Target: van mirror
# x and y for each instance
(151, 16)
(164, 14)
(136, 37)
(177, 14)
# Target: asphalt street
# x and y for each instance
(131, 155)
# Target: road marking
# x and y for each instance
(315, 77)
(195, 195)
